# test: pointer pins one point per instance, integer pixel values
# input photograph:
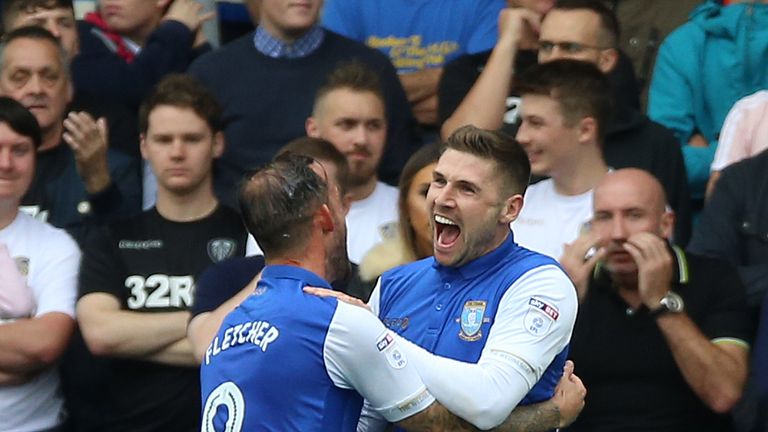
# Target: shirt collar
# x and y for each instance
(479, 265)
(273, 47)
(295, 273)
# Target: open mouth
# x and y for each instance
(446, 231)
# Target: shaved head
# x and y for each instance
(636, 182)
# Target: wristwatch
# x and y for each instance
(670, 303)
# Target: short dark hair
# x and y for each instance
(320, 150)
(182, 91)
(579, 87)
(609, 24)
(423, 157)
(13, 8)
(354, 76)
(279, 200)
(35, 33)
(20, 120)
(512, 163)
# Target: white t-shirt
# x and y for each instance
(371, 221)
(549, 220)
(50, 259)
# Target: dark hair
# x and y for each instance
(36, 33)
(425, 156)
(354, 76)
(512, 163)
(278, 201)
(20, 120)
(609, 24)
(321, 150)
(12, 8)
(579, 87)
(182, 91)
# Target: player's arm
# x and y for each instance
(485, 104)
(110, 331)
(31, 344)
(203, 327)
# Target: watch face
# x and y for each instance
(673, 302)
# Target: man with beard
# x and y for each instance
(310, 359)
(676, 322)
(350, 112)
(504, 310)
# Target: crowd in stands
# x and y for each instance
(126, 140)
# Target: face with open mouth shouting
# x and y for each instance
(469, 213)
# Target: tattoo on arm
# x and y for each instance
(540, 417)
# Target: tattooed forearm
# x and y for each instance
(541, 417)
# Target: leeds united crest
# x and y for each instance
(472, 320)
(220, 249)
(22, 263)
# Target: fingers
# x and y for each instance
(568, 368)
(207, 16)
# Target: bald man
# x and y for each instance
(662, 335)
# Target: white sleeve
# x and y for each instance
(533, 324)
(55, 280)
(361, 354)
(251, 247)
(371, 420)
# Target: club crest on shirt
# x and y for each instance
(220, 249)
(22, 264)
(472, 320)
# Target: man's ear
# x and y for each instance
(587, 130)
(311, 127)
(143, 145)
(511, 209)
(324, 219)
(608, 60)
(667, 224)
(218, 144)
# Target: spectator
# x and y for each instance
(56, 16)
(688, 94)
(565, 105)
(79, 180)
(745, 134)
(139, 273)
(414, 234)
(733, 224)
(435, 32)
(267, 80)
(676, 321)
(37, 287)
(349, 112)
(582, 30)
(128, 46)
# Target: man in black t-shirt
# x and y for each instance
(137, 279)
(661, 336)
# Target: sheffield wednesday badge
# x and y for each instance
(472, 320)
(220, 249)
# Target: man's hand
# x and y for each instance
(654, 266)
(698, 140)
(325, 292)
(569, 395)
(521, 26)
(578, 265)
(191, 14)
(88, 139)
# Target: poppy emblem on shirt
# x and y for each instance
(472, 320)
(220, 249)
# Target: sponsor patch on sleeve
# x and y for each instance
(387, 345)
(539, 317)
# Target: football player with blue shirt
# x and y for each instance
(505, 312)
(310, 359)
